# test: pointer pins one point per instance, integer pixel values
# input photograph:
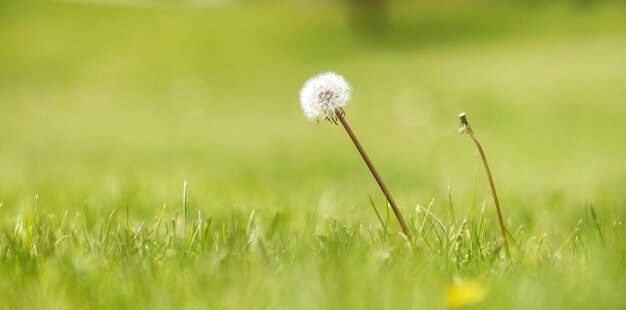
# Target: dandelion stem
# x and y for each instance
(184, 210)
(369, 164)
(465, 127)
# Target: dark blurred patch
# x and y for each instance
(369, 18)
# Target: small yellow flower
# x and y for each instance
(465, 292)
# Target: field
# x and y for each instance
(107, 110)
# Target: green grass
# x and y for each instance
(105, 111)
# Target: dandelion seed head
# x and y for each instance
(323, 94)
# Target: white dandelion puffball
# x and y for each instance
(323, 94)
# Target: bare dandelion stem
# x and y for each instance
(184, 210)
(369, 164)
(466, 128)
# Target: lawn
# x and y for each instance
(106, 110)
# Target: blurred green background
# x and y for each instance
(107, 105)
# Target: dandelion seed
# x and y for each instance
(463, 127)
(324, 94)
